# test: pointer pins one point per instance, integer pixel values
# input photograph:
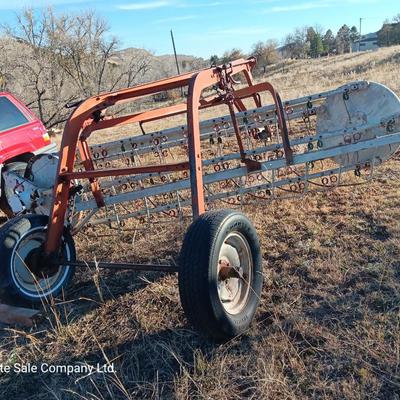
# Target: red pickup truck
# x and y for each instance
(22, 136)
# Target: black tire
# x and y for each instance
(18, 237)
(200, 268)
(18, 167)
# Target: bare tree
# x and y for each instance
(59, 59)
(4, 65)
(265, 53)
(231, 55)
(35, 74)
(296, 44)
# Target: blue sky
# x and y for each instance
(207, 27)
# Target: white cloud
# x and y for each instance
(175, 19)
(264, 1)
(361, 1)
(203, 4)
(246, 30)
(311, 5)
(7, 5)
(213, 4)
(299, 7)
(144, 6)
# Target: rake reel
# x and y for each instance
(229, 151)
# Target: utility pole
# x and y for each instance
(176, 57)
(359, 39)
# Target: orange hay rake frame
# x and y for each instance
(353, 129)
(87, 119)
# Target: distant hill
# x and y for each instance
(163, 65)
(159, 67)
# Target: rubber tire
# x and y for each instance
(10, 233)
(198, 274)
(14, 166)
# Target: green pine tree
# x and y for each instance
(316, 46)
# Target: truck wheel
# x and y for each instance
(22, 272)
(220, 275)
(19, 168)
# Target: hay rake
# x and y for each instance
(231, 151)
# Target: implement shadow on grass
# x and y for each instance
(360, 296)
(91, 290)
(147, 367)
(374, 229)
(150, 365)
(370, 288)
(87, 292)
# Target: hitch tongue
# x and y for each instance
(17, 315)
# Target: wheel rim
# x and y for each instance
(235, 269)
(29, 284)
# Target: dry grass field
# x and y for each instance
(328, 326)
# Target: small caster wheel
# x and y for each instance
(22, 274)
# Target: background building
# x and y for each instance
(367, 42)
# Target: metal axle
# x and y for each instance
(116, 266)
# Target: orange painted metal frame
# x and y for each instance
(87, 118)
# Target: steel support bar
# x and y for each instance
(89, 111)
(145, 143)
(102, 173)
(88, 164)
(222, 195)
(150, 115)
(298, 159)
(198, 83)
(81, 118)
(280, 113)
